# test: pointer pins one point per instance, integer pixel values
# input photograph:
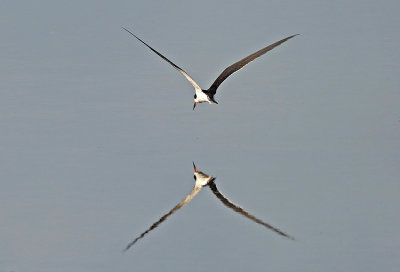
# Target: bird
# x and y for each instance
(201, 180)
(201, 95)
(242, 211)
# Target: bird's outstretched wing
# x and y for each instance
(240, 210)
(187, 199)
(237, 65)
(180, 70)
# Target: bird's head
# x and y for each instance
(195, 101)
(195, 173)
(200, 177)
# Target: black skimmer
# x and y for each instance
(201, 180)
(242, 211)
(201, 95)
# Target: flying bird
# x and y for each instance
(201, 180)
(201, 95)
(242, 211)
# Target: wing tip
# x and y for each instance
(290, 237)
(293, 36)
(129, 245)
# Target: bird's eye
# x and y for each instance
(195, 178)
(195, 96)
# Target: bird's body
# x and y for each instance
(201, 95)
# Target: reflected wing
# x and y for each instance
(236, 66)
(240, 210)
(196, 87)
(187, 199)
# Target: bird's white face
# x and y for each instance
(200, 97)
(201, 178)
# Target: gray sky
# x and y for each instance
(97, 135)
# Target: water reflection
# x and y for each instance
(242, 211)
(201, 180)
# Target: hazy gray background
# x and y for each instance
(97, 135)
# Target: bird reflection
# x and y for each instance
(243, 212)
(201, 180)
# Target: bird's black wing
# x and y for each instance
(240, 210)
(180, 70)
(237, 65)
(187, 199)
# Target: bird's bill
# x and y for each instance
(194, 166)
(194, 105)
